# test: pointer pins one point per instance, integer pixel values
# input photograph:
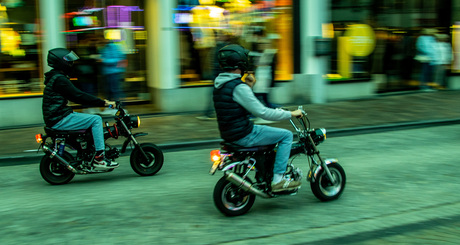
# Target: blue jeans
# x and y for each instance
(265, 135)
(78, 121)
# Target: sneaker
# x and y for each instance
(103, 162)
(285, 185)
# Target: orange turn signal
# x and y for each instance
(38, 138)
(215, 155)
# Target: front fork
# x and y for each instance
(322, 164)
(132, 138)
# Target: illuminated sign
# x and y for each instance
(85, 21)
(183, 18)
(361, 40)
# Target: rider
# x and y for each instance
(234, 102)
(58, 115)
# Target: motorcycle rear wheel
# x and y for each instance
(54, 172)
(322, 187)
(148, 167)
(231, 200)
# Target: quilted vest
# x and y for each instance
(232, 118)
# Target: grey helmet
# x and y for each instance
(232, 57)
(61, 59)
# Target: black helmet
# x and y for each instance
(61, 59)
(232, 57)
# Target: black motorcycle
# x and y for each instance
(248, 171)
(59, 166)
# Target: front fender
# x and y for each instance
(313, 174)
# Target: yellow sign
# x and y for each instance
(361, 40)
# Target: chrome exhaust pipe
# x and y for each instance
(245, 185)
(61, 160)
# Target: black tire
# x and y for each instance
(54, 172)
(143, 167)
(231, 200)
(323, 189)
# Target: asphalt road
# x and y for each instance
(402, 187)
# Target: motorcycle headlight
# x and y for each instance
(135, 121)
(132, 121)
(319, 135)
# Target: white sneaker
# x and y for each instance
(104, 163)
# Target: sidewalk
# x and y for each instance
(167, 130)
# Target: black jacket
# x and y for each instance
(58, 91)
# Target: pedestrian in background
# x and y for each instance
(443, 61)
(224, 38)
(426, 45)
(86, 69)
(114, 64)
(264, 74)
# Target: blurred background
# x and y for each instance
(317, 51)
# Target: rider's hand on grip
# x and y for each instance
(110, 104)
(297, 113)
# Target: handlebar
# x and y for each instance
(117, 105)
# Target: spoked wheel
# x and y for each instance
(150, 165)
(231, 200)
(323, 188)
(55, 172)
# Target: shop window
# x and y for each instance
(19, 52)
(90, 26)
(206, 26)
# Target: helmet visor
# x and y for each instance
(71, 56)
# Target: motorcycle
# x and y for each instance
(58, 166)
(248, 171)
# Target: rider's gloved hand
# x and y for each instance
(111, 104)
(297, 113)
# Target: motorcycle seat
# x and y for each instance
(54, 132)
(227, 146)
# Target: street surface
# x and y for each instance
(402, 187)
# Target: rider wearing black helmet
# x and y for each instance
(234, 102)
(58, 115)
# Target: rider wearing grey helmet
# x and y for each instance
(234, 102)
(59, 90)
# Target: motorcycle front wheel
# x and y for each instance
(149, 166)
(324, 189)
(54, 172)
(231, 200)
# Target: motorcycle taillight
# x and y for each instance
(39, 138)
(215, 155)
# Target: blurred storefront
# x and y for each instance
(203, 24)
(392, 31)
(89, 25)
(325, 50)
(20, 64)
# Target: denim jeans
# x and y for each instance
(265, 135)
(78, 121)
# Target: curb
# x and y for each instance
(32, 159)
